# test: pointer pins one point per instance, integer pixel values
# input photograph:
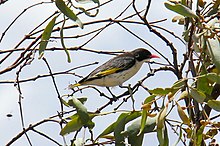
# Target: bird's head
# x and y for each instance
(142, 54)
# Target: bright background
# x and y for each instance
(40, 99)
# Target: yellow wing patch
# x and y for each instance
(107, 72)
(71, 86)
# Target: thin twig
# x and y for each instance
(3, 34)
(55, 85)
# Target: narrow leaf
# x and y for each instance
(203, 83)
(111, 128)
(119, 127)
(143, 121)
(81, 110)
(162, 136)
(161, 117)
(81, 99)
(199, 96)
(183, 95)
(46, 36)
(145, 112)
(123, 119)
(182, 115)
(166, 138)
(213, 45)
(133, 115)
(180, 9)
(160, 91)
(179, 84)
(108, 130)
(68, 12)
(134, 128)
(213, 77)
(135, 140)
(149, 99)
(62, 42)
(199, 135)
(74, 125)
(132, 131)
(214, 104)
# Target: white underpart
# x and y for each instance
(117, 78)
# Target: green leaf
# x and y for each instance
(214, 104)
(214, 77)
(213, 45)
(134, 128)
(160, 91)
(162, 136)
(68, 12)
(203, 84)
(46, 36)
(199, 96)
(184, 95)
(123, 119)
(135, 140)
(111, 128)
(108, 130)
(81, 99)
(161, 117)
(149, 99)
(143, 120)
(119, 127)
(145, 113)
(133, 115)
(74, 125)
(180, 9)
(132, 131)
(199, 135)
(179, 84)
(62, 42)
(83, 114)
(182, 115)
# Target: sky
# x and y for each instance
(39, 97)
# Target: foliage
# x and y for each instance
(192, 97)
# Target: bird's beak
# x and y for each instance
(154, 56)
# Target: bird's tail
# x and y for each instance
(71, 86)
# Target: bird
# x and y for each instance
(117, 70)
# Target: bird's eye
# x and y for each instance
(137, 55)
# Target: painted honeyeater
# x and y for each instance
(117, 70)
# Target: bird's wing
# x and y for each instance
(114, 65)
(107, 72)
